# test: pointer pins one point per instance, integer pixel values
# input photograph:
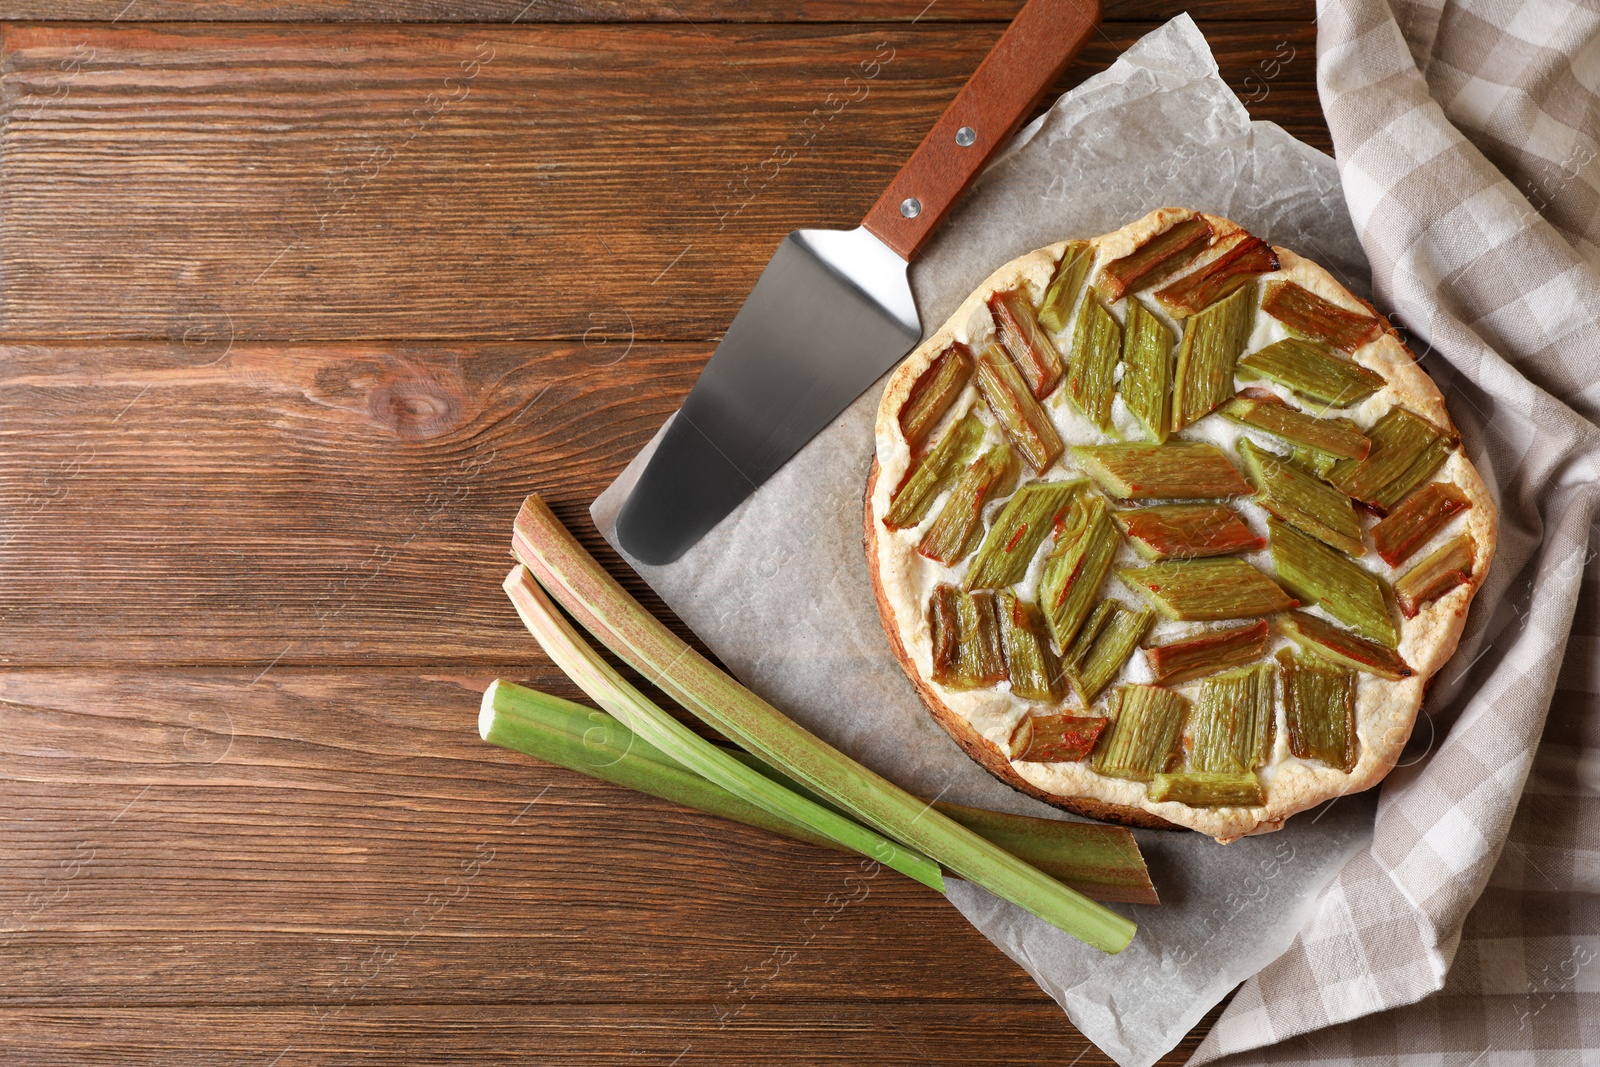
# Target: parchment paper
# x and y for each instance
(780, 590)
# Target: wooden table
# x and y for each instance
(295, 311)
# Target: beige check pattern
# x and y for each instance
(1469, 932)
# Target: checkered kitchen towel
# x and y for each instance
(1469, 933)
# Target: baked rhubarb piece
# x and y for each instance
(1166, 527)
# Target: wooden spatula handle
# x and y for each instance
(1024, 64)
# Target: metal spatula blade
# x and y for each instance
(830, 314)
(833, 310)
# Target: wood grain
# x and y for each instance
(854, 1030)
(353, 829)
(456, 182)
(289, 324)
(231, 850)
(707, 12)
(260, 503)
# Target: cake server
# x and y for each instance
(833, 309)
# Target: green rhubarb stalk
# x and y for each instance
(1032, 664)
(1318, 463)
(1177, 470)
(1055, 310)
(1207, 590)
(1207, 653)
(1018, 329)
(1233, 721)
(1021, 527)
(1147, 371)
(1103, 647)
(1104, 866)
(1096, 348)
(1102, 862)
(1200, 789)
(1058, 738)
(596, 600)
(1143, 736)
(1301, 498)
(1421, 469)
(1088, 633)
(1406, 450)
(1077, 567)
(966, 632)
(955, 532)
(1158, 258)
(935, 473)
(1233, 270)
(1019, 413)
(591, 742)
(1311, 372)
(938, 387)
(1416, 522)
(1309, 315)
(608, 689)
(1442, 570)
(1320, 576)
(1212, 342)
(1265, 412)
(944, 629)
(1187, 531)
(1319, 709)
(1324, 639)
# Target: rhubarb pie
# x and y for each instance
(1167, 527)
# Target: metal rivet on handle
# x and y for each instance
(965, 136)
(911, 207)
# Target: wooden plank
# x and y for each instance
(856, 1029)
(916, 952)
(300, 504)
(705, 12)
(466, 182)
(306, 837)
(286, 864)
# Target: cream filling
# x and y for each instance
(1385, 710)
